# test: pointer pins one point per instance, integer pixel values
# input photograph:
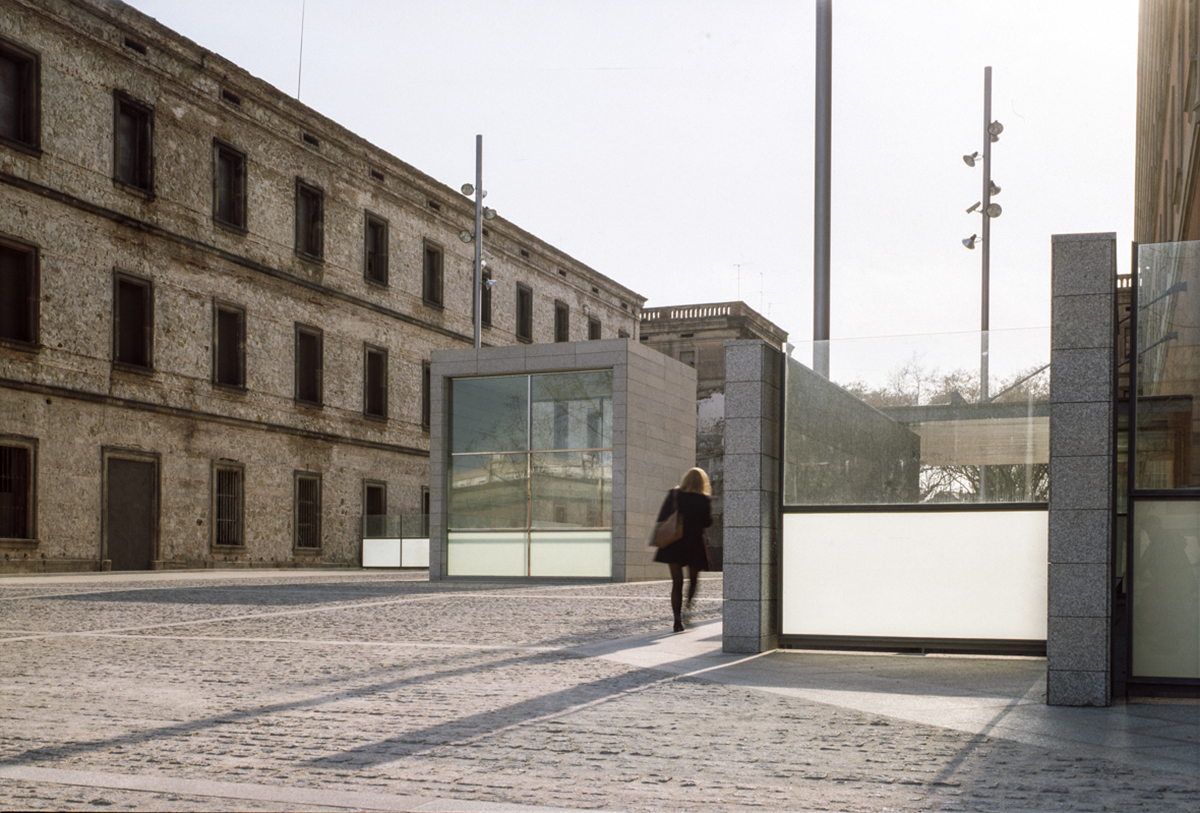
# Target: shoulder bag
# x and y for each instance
(671, 528)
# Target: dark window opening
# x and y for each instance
(310, 220)
(18, 292)
(133, 144)
(228, 505)
(311, 140)
(434, 205)
(308, 510)
(562, 322)
(231, 97)
(19, 89)
(229, 187)
(375, 395)
(308, 365)
(133, 321)
(431, 287)
(16, 491)
(134, 45)
(524, 313)
(377, 175)
(426, 382)
(485, 299)
(375, 249)
(229, 346)
(375, 509)
(593, 328)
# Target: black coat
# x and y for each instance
(692, 548)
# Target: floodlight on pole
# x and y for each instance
(476, 237)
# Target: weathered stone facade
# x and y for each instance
(103, 82)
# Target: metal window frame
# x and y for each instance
(29, 99)
(238, 182)
(562, 321)
(319, 335)
(144, 113)
(147, 286)
(219, 466)
(33, 271)
(382, 385)
(297, 478)
(220, 306)
(30, 445)
(433, 277)
(378, 275)
(524, 313)
(310, 235)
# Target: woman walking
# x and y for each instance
(693, 500)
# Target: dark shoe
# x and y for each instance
(678, 625)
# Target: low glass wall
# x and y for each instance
(531, 470)
(395, 540)
(946, 419)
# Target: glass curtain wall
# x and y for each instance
(531, 475)
(1163, 551)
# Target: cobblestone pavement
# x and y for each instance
(379, 690)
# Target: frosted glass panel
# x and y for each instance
(414, 552)
(966, 575)
(570, 553)
(490, 553)
(1166, 589)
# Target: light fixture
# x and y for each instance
(994, 210)
(490, 282)
(969, 160)
(974, 206)
(970, 241)
(994, 130)
(466, 236)
(489, 214)
(468, 189)
(992, 188)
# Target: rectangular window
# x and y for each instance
(228, 508)
(17, 467)
(133, 321)
(19, 89)
(375, 509)
(310, 220)
(133, 143)
(229, 186)
(375, 395)
(485, 298)
(308, 510)
(18, 292)
(375, 249)
(431, 286)
(562, 322)
(426, 379)
(229, 345)
(524, 313)
(593, 328)
(308, 365)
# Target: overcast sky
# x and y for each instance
(669, 143)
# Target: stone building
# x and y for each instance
(696, 336)
(217, 306)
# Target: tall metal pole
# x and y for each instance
(985, 234)
(477, 299)
(822, 174)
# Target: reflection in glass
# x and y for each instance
(1166, 589)
(488, 491)
(571, 489)
(571, 410)
(489, 414)
(1168, 375)
(904, 421)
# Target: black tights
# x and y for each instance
(677, 587)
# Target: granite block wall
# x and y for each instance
(753, 393)
(1079, 628)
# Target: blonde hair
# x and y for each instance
(696, 481)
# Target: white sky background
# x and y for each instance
(666, 142)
